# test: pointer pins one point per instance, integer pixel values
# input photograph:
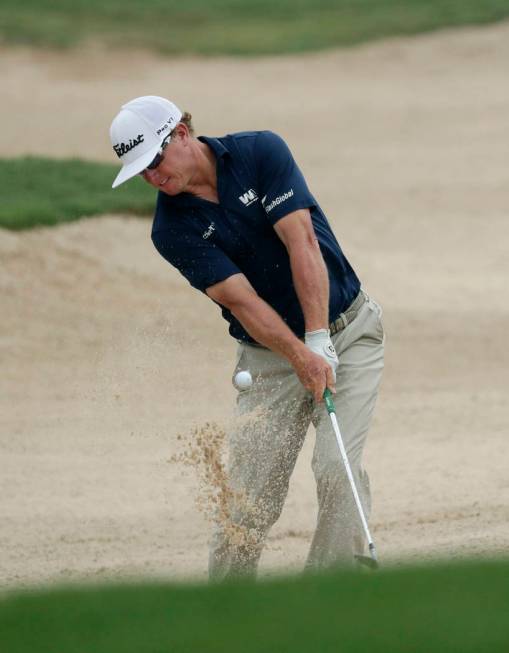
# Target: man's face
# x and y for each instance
(175, 170)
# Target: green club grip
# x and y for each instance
(329, 402)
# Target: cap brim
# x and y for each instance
(134, 168)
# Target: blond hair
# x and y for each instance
(186, 119)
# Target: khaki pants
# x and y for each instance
(273, 418)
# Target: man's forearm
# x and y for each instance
(311, 282)
(266, 327)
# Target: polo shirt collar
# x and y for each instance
(216, 146)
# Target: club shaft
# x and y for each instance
(360, 509)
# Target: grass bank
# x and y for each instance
(446, 609)
(235, 27)
(38, 191)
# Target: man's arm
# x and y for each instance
(309, 272)
(266, 327)
(311, 281)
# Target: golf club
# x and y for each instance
(371, 561)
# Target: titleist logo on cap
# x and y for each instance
(124, 148)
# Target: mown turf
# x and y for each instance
(38, 191)
(447, 609)
(234, 26)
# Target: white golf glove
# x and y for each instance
(320, 343)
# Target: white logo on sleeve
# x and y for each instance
(249, 197)
(279, 200)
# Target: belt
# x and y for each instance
(349, 315)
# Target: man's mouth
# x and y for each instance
(161, 183)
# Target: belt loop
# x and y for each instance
(343, 319)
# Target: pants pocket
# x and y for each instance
(377, 311)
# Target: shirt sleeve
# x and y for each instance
(201, 262)
(281, 184)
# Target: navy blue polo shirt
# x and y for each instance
(258, 183)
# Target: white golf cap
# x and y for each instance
(138, 130)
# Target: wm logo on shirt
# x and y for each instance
(249, 197)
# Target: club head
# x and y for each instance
(366, 561)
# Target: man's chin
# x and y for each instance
(169, 189)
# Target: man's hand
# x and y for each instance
(319, 341)
(315, 373)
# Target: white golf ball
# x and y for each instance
(243, 380)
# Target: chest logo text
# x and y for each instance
(208, 233)
(249, 197)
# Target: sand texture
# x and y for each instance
(108, 355)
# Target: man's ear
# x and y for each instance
(181, 132)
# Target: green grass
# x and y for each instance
(460, 608)
(37, 191)
(246, 27)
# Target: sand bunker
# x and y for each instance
(107, 354)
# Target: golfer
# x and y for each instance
(235, 216)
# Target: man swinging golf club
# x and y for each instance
(235, 216)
